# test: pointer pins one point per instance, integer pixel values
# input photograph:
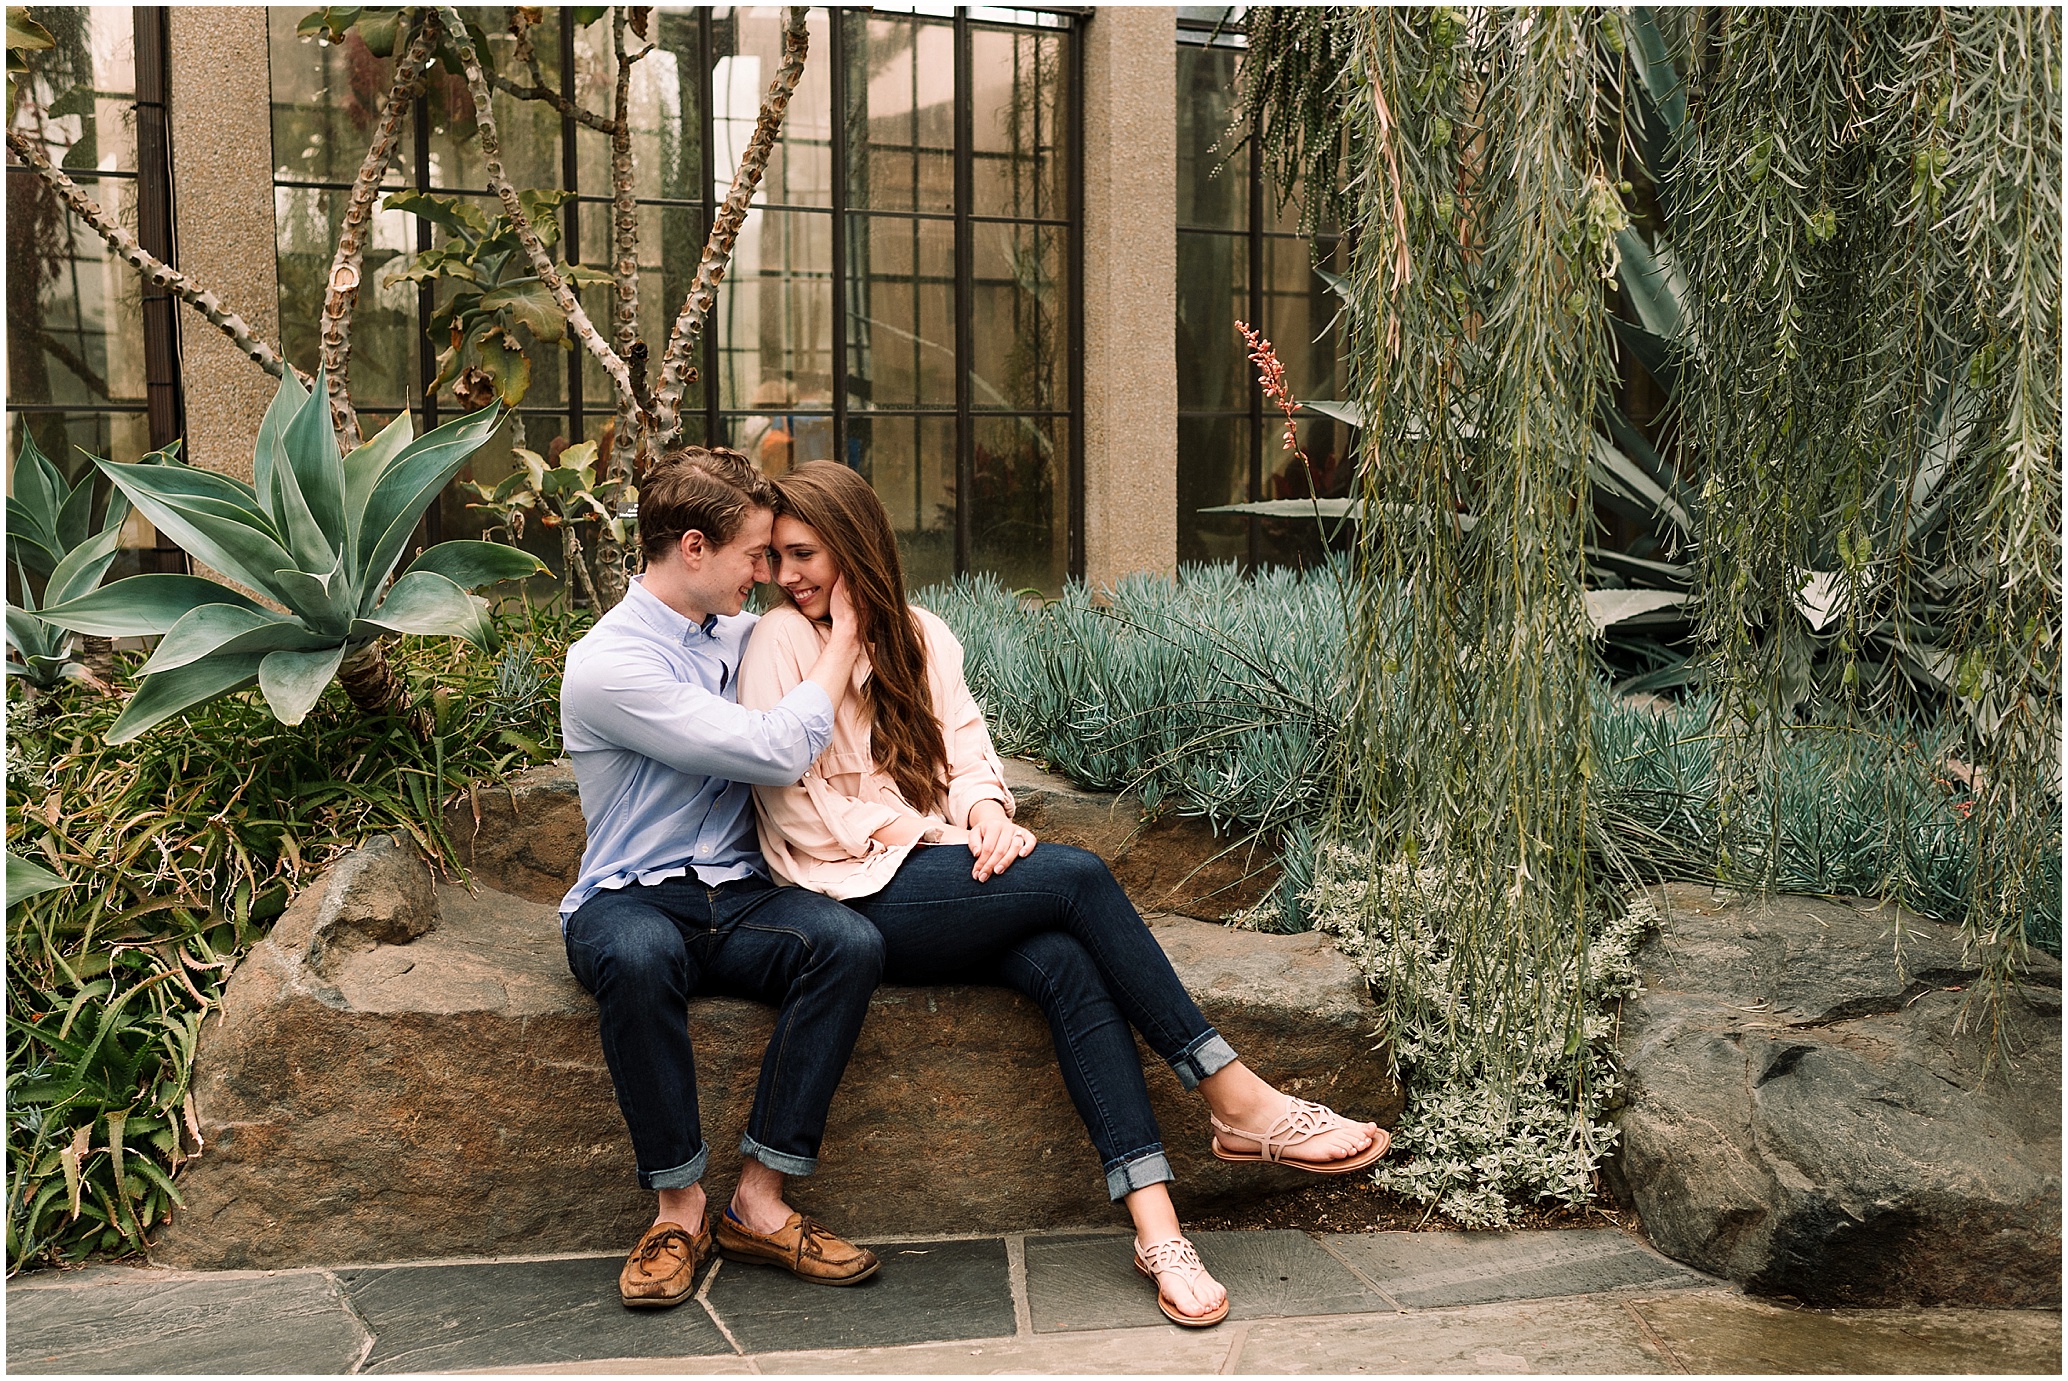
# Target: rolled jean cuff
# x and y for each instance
(1139, 1171)
(1207, 1055)
(776, 1160)
(681, 1177)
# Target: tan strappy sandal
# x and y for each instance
(1300, 1123)
(1177, 1256)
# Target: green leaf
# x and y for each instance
(582, 274)
(143, 605)
(409, 486)
(325, 602)
(26, 879)
(31, 636)
(378, 31)
(585, 15)
(161, 697)
(214, 517)
(455, 214)
(229, 629)
(270, 453)
(38, 487)
(425, 602)
(75, 516)
(293, 682)
(1350, 414)
(365, 466)
(529, 303)
(471, 565)
(82, 567)
(24, 33)
(507, 365)
(308, 491)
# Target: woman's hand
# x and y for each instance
(846, 615)
(995, 840)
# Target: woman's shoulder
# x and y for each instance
(782, 629)
(932, 625)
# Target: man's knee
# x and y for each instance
(844, 941)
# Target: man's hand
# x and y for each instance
(995, 841)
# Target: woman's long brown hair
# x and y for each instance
(905, 734)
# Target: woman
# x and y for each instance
(907, 819)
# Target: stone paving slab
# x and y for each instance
(509, 1313)
(1565, 1336)
(1436, 1270)
(992, 1305)
(149, 1321)
(1090, 1282)
(926, 1292)
(1719, 1331)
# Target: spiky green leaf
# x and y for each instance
(161, 697)
(143, 605)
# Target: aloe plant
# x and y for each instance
(315, 531)
(48, 526)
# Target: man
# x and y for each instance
(674, 897)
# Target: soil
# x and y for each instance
(1354, 1204)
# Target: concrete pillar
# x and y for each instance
(220, 109)
(1130, 292)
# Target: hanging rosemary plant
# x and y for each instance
(1864, 454)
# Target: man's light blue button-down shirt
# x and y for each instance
(663, 751)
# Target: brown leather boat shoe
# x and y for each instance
(662, 1269)
(806, 1249)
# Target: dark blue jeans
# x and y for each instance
(1056, 926)
(642, 951)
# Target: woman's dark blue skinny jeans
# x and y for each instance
(1056, 926)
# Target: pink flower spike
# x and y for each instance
(1271, 375)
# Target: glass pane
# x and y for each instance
(900, 113)
(384, 337)
(1213, 468)
(327, 98)
(900, 312)
(75, 327)
(1213, 294)
(665, 99)
(529, 131)
(1016, 124)
(774, 317)
(1300, 312)
(1019, 512)
(747, 49)
(1213, 181)
(780, 440)
(83, 88)
(911, 462)
(1018, 328)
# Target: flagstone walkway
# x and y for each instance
(1590, 1300)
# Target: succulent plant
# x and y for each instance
(315, 531)
(50, 538)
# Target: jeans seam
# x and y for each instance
(1077, 1058)
(775, 1078)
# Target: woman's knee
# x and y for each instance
(1077, 869)
(1053, 964)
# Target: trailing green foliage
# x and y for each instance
(175, 853)
(1868, 208)
(319, 533)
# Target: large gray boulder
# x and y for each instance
(406, 1069)
(1805, 1116)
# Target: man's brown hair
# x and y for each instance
(698, 489)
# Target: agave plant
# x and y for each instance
(48, 525)
(315, 531)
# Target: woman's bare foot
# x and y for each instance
(1245, 1103)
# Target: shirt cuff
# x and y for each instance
(814, 711)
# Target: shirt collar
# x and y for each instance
(656, 614)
